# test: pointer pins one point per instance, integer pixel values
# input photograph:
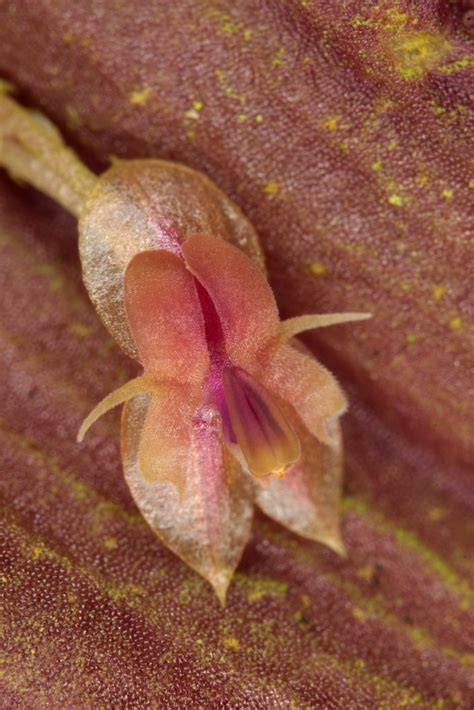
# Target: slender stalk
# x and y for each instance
(32, 150)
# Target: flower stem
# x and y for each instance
(32, 150)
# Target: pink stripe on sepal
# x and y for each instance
(165, 317)
(203, 513)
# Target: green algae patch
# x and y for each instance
(191, 588)
(356, 504)
(256, 589)
(449, 577)
(416, 53)
(408, 539)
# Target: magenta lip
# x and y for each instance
(219, 360)
(212, 323)
(216, 397)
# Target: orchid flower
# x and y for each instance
(228, 413)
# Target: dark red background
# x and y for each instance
(344, 131)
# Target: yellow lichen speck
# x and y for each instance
(73, 117)
(272, 189)
(140, 98)
(438, 291)
(81, 330)
(416, 53)
(317, 269)
(193, 112)
(231, 643)
(331, 123)
(395, 200)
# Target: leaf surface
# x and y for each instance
(344, 131)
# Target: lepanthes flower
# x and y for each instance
(228, 414)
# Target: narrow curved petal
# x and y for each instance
(133, 388)
(165, 317)
(307, 499)
(208, 525)
(299, 324)
(241, 295)
(303, 382)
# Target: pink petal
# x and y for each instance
(165, 316)
(307, 499)
(303, 382)
(208, 522)
(165, 435)
(240, 293)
